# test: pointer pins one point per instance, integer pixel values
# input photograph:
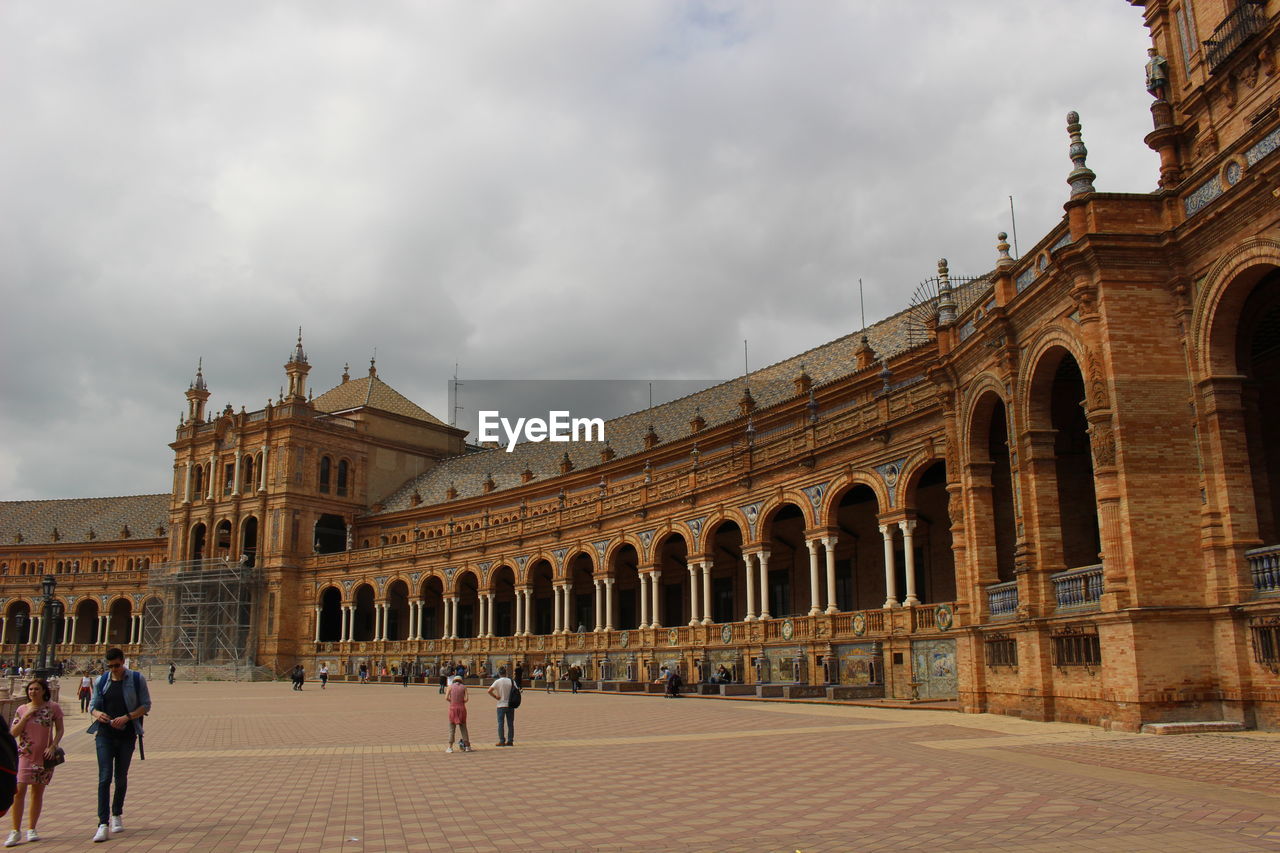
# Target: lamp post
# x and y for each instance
(47, 615)
(19, 625)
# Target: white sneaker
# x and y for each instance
(102, 834)
(14, 839)
(117, 824)
(448, 749)
(32, 835)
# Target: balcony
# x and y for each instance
(1264, 566)
(1002, 599)
(1244, 21)
(1078, 589)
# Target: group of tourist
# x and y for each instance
(504, 691)
(117, 700)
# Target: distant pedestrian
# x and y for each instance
(120, 701)
(520, 676)
(503, 689)
(324, 675)
(552, 674)
(575, 678)
(85, 692)
(37, 726)
(173, 671)
(364, 673)
(457, 697)
(299, 676)
(444, 679)
(404, 674)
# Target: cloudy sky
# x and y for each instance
(551, 189)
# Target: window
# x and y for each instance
(228, 478)
(197, 488)
(1266, 641)
(1185, 20)
(343, 476)
(326, 465)
(1077, 647)
(1001, 650)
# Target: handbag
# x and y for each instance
(59, 756)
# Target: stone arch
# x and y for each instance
(580, 571)
(725, 558)
(466, 586)
(222, 540)
(120, 621)
(11, 612)
(716, 519)
(363, 620)
(782, 531)
(431, 593)
(1220, 303)
(197, 543)
(987, 454)
(627, 540)
(773, 504)
(86, 621)
(841, 484)
(502, 586)
(541, 577)
(1043, 345)
(927, 499)
(623, 563)
(330, 602)
(671, 561)
(397, 603)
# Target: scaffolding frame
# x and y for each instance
(208, 610)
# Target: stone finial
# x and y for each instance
(452, 491)
(648, 471)
(804, 381)
(373, 366)
(346, 371)
(747, 404)
(865, 355)
(415, 498)
(695, 454)
(566, 464)
(606, 453)
(198, 384)
(812, 406)
(886, 375)
(1002, 248)
(489, 484)
(1081, 177)
(526, 476)
(298, 356)
(946, 301)
(698, 423)
(650, 438)
(56, 535)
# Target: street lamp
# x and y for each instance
(47, 615)
(19, 625)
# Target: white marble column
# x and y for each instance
(106, 629)
(815, 593)
(488, 625)
(764, 584)
(235, 484)
(608, 603)
(830, 545)
(344, 632)
(706, 592)
(655, 581)
(693, 594)
(317, 612)
(909, 556)
(644, 599)
(599, 601)
(890, 573)
(186, 487)
(569, 626)
(71, 637)
(453, 618)
(528, 612)
(262, 480)
(213, 474)
(750, 572)
(557, 609)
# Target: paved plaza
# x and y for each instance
(235, 767)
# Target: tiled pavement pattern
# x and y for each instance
(260, 767)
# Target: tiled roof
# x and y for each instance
(82, 519)
(370, 392)
(717, 405)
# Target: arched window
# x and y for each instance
(246, 474)
(326, 465)
(197, 485)
(344, 474)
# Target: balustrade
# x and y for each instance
(1264, 566)
(1002, 599)
(1078, 588)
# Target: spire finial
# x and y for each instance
(1002, 247)
(946, 302)
(298, 355)
(199, 383)
(1081, 177)
(373, 363)
(346, 371)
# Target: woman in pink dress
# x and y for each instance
(37, 726)
(457, 697)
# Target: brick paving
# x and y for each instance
(241, 767)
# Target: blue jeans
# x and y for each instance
(114, 755)
(509, 715)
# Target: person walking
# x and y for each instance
(38, 728)
(519, 676)
(85, 692)
(364, 673)
(173, 671)
(575, 678)
(324, 675)
(553, 673)
(501, 689)
(120, 701)
(444, 679)
(457, 698)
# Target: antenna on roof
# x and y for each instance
(651, 395)
(863, 303)
(1014, 222)
(453, 387)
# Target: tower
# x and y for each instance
(297, 368)
(197, 395)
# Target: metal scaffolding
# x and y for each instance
(208, 610)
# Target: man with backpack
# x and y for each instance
(120, 701)
(508, 695)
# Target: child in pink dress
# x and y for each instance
(37, 726)
(457, 696)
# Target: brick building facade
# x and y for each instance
(1045, 491)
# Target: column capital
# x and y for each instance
(888, 526)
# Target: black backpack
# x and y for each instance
(513, 698)
(8, 768)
